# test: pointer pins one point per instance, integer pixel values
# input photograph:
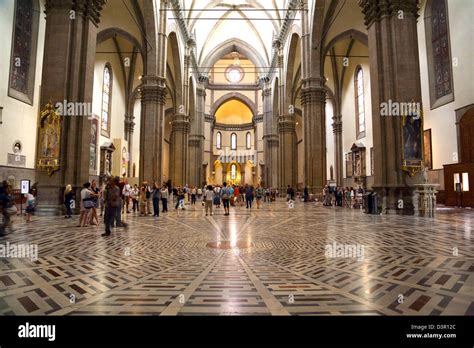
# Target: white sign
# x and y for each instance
(25, 187)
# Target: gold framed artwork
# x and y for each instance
(412, 133)
(427, 149)
(49, 140)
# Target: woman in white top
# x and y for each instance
(86, 195)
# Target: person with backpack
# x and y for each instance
(249, 196)
(259, 192)
(113, 203)
(225, 195)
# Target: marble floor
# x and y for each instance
(309, 260)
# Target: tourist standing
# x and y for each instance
(209, 196)
(126, 195)
(30, 205)
(249, 196)
(164, 198)
(68, 200)
(156, 200)
(259, 195)
(134, 197)
(86, 204)
(225, 195)
(193, 195)
(112, 202)
(143, 199)
(8, 207)
(217, 197)
(95, 199)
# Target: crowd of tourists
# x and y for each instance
(8, 206)
(116, 197)
(343, 196)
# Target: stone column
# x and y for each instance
(68, 74)
(338, 151)
(129, 127)
(179, 149)
(153, 93)
(270, 141)
(196, 140)
(288, 151)
(313, 98)
(395, 76)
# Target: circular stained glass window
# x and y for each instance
(234, 74)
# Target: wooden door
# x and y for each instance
(467, 137)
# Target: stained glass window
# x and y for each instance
(233, 141)
(360, 107)
(22, 68)
(441, 56)
(233, 171)
(106, 99)
(249, 141)
(219, 140)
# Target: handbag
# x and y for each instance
(12, 210)
(88, 203)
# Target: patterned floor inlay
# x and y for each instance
(310, 260)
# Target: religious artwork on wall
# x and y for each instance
(358, 160)
(428, 155)
(49, 140)
(412, 132)
(349, 169)
(23, 56)
(93, 144)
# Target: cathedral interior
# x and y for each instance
(371, 96)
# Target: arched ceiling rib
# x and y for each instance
(252, 21)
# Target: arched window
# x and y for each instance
(248, 141)
(233, 141)
(106, 101)
(219, 140)
(359, 102)
(23, 56)
(233, 171)
(438, 52)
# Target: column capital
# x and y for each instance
(374, 10)
(90, 9)
(180, 123)
(129, 125)
(272, 139)
(201, 91)
(286, 123)
(153, 93)
(313, 95)
(337, 125)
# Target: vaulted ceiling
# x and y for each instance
(252, 21)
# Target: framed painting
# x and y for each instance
(427, 149)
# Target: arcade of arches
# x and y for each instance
(376, 94)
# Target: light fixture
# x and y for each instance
(1, 114)
(140, 77)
